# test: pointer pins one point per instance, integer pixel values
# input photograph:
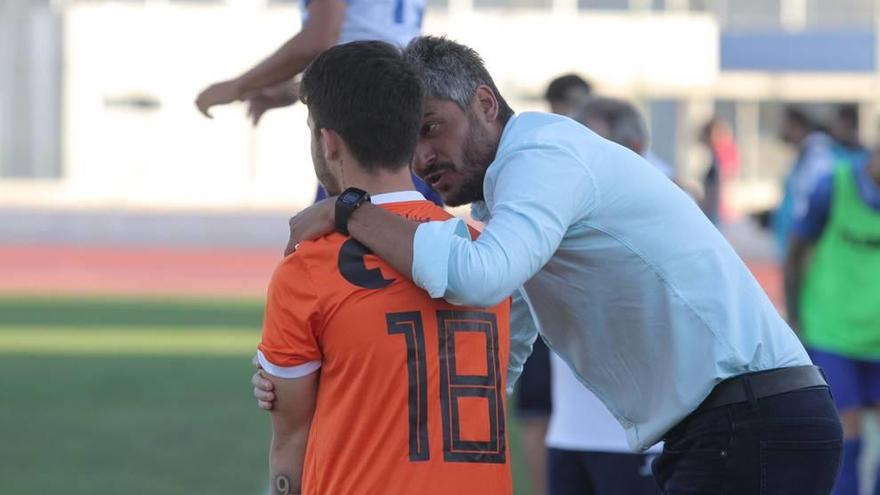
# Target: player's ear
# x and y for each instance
(332, 144)
(485, 103)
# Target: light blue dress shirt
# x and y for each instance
(623, 274)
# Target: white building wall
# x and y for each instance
(133, 139)
(125, 133)
(30, 78)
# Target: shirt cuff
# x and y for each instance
(297, 371)
(432, 245)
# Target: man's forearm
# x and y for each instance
(286, 459)
(388, 236)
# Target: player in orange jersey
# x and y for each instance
(379, 388)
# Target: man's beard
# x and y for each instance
(478, 153)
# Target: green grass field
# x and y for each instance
(117, 395)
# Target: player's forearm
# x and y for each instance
(319, 33)
(389, 236)
(286, 458)
(288, 61)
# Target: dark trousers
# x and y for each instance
(786, 444)
(577, 472)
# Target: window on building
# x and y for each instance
(30, 92)
(662, 122)
(836, 14)
(775, 155)
(483, 4)
(604, 4)
(699, 5)
(743, 15)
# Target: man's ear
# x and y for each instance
(332, 144)
(485, 103)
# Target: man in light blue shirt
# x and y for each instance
(624, 277)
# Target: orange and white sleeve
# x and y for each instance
(289, 347)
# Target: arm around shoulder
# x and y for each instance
(537, 195)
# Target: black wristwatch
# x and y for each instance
(346, 203)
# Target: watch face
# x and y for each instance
(350, 197)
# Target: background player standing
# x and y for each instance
(833, 294)
(587, 453)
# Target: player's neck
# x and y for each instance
(381, 182)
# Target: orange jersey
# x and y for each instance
(411, 398)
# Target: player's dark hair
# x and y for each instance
(452, 71)
(798, 116)
(563, 87)
(625, 124)
(371, 96)
(848, 113)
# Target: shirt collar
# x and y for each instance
(396, 197)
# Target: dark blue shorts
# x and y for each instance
(533, 398)
(574, 472)
(854, 383)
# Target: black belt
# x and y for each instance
(758, 385)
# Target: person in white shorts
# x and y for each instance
(587, 452)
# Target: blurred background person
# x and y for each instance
(565, 92)
(568, 92)
(270, 83)
(587, 452)
(614, 120)
(533, 406)
(619, 121)
(815, 157)
(534, 403)
(718, 139)
(832, 280)
(844, 129)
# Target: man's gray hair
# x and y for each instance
(625, 124)
(452, 71)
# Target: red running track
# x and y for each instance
(173, 271)
(197, 272)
